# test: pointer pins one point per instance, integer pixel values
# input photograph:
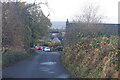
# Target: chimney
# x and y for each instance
(67, 23)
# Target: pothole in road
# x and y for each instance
(48, 63)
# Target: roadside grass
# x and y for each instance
(13, 56)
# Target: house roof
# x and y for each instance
(54, 32)
(55, 40)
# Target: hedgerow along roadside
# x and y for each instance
(94, 57)
(13, 56)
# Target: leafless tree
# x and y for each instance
(86, 24)
(90, 16)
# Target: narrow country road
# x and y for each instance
(44, 65)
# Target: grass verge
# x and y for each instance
(12, 56)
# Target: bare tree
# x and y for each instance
(90, 14)
(90, 17)
(85, 25)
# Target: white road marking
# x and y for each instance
(63, 76)
(48, 63)
(51, 72)
(44, 69)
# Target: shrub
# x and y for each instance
(12, 56)
(59, 48)
(91, 57)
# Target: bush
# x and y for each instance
(13, 56)
(90, 57)
(60, 48)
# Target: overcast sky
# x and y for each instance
(67, 9)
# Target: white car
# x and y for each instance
(46, 49)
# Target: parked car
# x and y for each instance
(37, 47)
(46, 49)
(42, 48)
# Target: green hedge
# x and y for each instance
(91, 57)
(59, 48)
(13, 56)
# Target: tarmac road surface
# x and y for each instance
(43, 65)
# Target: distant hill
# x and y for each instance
(58, 24)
